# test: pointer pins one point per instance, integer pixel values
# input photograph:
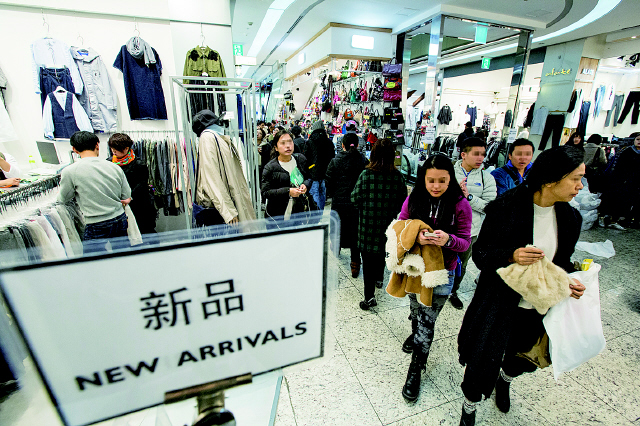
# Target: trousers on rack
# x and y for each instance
(617, 105)
(51, 78)
(632, 100)
(553, 126)
(584, 116)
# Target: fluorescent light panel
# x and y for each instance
(362, 42)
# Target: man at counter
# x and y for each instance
(9, 171)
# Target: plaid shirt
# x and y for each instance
(379, 197)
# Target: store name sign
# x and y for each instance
(108, 343)
(238, 49)
(560, 72)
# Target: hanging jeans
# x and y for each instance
(553, 126)
(632, 100)
(51, 78)
(617, 105)
(599, 98)
(584, 116)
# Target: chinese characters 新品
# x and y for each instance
(159, 313)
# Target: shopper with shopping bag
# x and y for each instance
(499, 323)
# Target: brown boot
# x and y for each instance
(355, 269)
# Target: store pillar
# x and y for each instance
(433, 67)
(521, 61)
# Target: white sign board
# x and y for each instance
(112, 335)
(513, 133)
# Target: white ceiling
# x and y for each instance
(394, 13)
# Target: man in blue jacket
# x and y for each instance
(513, 173)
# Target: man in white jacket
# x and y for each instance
(480, 188)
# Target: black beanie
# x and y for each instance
(202, 120)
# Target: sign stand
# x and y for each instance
(210, 397)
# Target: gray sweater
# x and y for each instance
(98, 186)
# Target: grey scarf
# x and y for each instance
(138, 48)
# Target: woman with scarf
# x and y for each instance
(438, 201)
(137, 174)
(499, 323)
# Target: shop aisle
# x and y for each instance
(360, 382)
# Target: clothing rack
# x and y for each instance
(21, 196)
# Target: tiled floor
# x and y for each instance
(359, 382)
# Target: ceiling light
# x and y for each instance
(362, 42)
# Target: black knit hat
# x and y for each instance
(202, 120)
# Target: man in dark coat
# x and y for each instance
(319, 152)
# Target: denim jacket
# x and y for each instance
(99, 98)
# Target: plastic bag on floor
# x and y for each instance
(575, 327)
(597, 249)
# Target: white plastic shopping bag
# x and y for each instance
(574, 326)
(135, 238)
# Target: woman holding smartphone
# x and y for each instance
(437, 200)
(285, 179)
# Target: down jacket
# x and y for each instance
(276, 183)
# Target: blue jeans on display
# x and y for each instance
(318, 191)
(96, 235)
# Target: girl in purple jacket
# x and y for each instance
(438, 201)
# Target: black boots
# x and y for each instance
(411, 388)
(407, 346)
(468, 419)
(503, 402)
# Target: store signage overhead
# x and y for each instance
(112, 335)
(238, 49)
(486, 63)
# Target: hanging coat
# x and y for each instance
(221, 183)
(99, 98)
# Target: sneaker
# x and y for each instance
(456, 302)
(617, 226)
(366, 304)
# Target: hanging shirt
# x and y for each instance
(142, 84)
(539, 120)
(52, 53)
(52, 123)
(99, 98)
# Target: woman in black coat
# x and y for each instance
(342, 175)
(498, 323)
(283, 195)
(137, 174)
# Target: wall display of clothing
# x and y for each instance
(52, 54)
(445, 116)
(160, 154)
(7, 132)
(633, 101)
(202, 61)
(141, 69)
(99, 98)
(63, 115)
